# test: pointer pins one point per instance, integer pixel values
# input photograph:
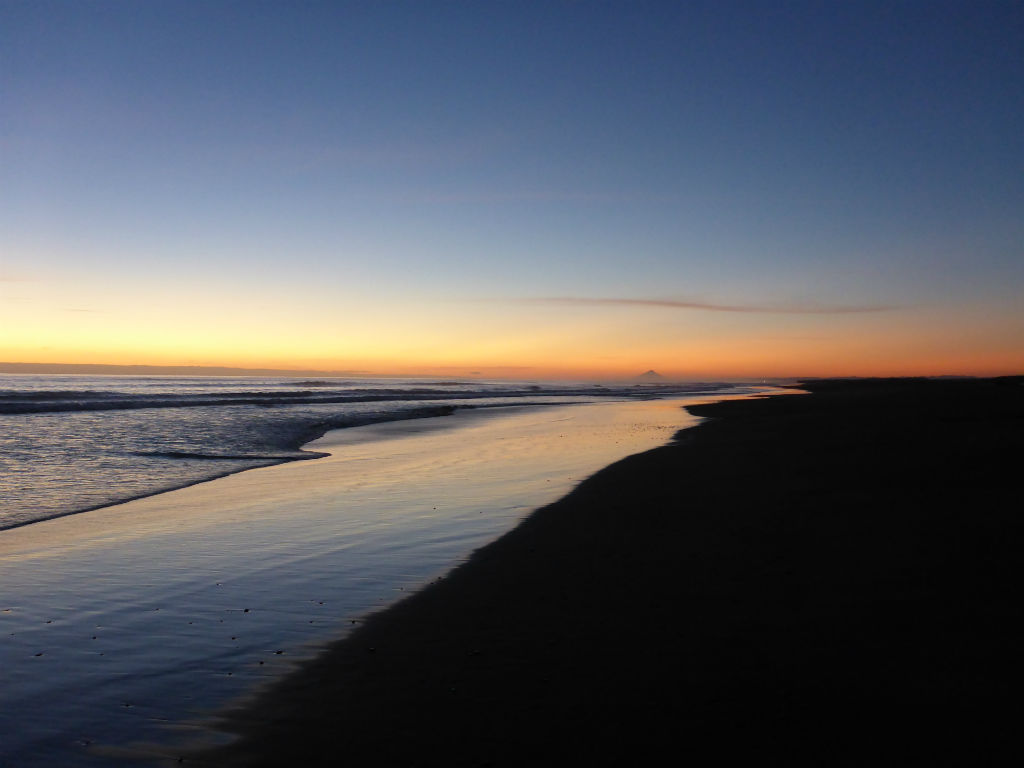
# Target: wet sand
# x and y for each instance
(824, 578)
(124, 626)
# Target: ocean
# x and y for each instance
(74, 443)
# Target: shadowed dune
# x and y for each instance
(816, 578)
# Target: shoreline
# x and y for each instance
(130, 619)
(268, 461)
(273, 461)
(816, 577)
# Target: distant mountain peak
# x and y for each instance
(649, 375)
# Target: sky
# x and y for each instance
(515, 189)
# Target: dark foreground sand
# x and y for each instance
(826, 578)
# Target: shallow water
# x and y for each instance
(72, 443)
(125, 624)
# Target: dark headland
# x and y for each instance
(826, 578)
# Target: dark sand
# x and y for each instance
(826, 578)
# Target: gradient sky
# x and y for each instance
(534, 189)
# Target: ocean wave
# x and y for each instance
(121, 402)
(80, 470)
(229, 457)
(51, 401)
(56, 394)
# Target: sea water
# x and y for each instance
(72, 443)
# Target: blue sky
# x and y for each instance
(391, 170)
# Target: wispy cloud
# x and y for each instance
(787, 308)
(498, 197)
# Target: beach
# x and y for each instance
(127, 628)
(822, 578)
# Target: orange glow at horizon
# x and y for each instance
(51, 323)
(778, 359)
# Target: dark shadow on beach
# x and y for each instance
(825, 578)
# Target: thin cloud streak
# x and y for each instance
(710, 306)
